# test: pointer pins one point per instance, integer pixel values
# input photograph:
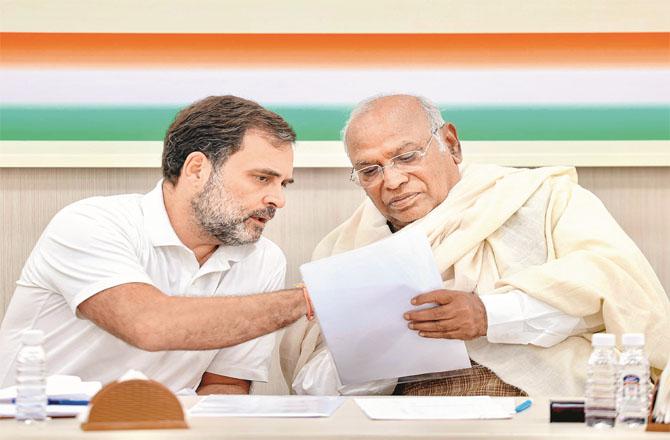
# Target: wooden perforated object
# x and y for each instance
(134, 404)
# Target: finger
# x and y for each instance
(436, 296)
(437, 335)
(459, 333)
(453, 334)
(432, 314)
(434, 326)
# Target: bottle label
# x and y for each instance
(631, 385)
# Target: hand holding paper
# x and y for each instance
(360, 298)
(457, 315)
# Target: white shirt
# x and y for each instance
(102, 242)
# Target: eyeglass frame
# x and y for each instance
(391, 162)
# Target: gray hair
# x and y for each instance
(432, 113)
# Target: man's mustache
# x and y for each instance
(266, 213)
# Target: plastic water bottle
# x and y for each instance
(601, 380)
(31, 386)
(633, 383)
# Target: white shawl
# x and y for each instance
(593, 269)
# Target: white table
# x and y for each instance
(349, 422)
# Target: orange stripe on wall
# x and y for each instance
(333, 50)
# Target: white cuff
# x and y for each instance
(318, 377)
(516, 318)
(504, 319)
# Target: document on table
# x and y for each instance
(437, 408)
(360, 297)
(60, 387)
(266, 406)
(8, 410)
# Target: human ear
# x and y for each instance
(196, 168)
(450, 136)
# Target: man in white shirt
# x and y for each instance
(169, 282)
(532, 263)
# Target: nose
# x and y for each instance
(275, 198)
(394, 178)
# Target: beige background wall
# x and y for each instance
(320, 199)
(297, 16)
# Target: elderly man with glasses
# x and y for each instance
(532, 264)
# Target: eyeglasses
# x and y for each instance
(405, 162)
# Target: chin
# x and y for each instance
(255, 233)
(411, 215)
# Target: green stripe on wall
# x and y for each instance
(126, 123)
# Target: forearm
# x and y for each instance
(185, 323)
(146, 318)
(222, 389)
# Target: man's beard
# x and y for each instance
(224, 219)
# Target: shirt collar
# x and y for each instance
(235, 253)
(156, 220)
(161, 233)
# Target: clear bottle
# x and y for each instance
(633, 383)
(31, 389)
(601, 379)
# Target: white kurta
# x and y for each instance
(479, 236)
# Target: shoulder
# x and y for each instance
(114, 209)
(99, 216)
(325, 246)
(111, 207)
(364, 226)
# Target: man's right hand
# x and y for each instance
(456, 315)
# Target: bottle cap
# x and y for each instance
(32, 337)
(636, 339)
(603, 340)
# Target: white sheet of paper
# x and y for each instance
(9, 410)
(360, 297)
(60, 387)
(266, 406)
(436, 408)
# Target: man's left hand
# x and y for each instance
(457, 315)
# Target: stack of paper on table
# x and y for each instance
(437, 408)
(59, 387)
(266, 406)
(8, 410)
(360, 298)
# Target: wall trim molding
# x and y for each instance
(330, 154)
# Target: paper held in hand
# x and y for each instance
(360, 297)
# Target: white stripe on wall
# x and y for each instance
(335, 86)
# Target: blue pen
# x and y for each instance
(67, 402)
(64, 402)
(523, 406)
